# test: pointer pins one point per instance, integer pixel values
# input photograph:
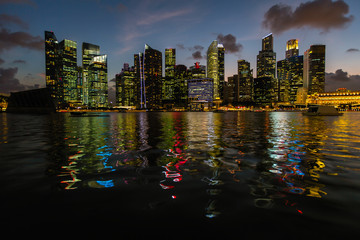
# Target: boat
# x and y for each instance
(322, 111)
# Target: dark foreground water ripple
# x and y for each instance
(246, 175)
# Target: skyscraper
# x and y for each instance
(266, 68)
(290, 73)
(216, 69)
(266, 60)
(292, 48)
(68, 69)
(52, 66)
(98, 82)
(150, 73)
(244, 85)
(169, 83)
(316, 74)
(88, 52)
(125, 87)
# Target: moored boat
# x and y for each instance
(322, 111)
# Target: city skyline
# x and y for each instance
(170, 25)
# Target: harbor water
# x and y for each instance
(248, 175)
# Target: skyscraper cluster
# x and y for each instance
(280, 83)
(144, 87)
(71, 85)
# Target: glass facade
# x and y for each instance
(180, 92)
(52, 66)
(169, 81)
(68, 69)
(292, 48)
(125, 87)
(216, 69)
(244, 86)
(200, 89)
(266, 60)
(316, 69)
(98, 82)
(88, 52)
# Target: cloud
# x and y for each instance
(180, 46)
(7, 19)
(350, 50)
(229, 42)
(341, 79)
(19, 61)
(158, 16)
(197, 55)
(9, 40)
(8, 82)
(19, 2)
(319, 14)
(1, 61)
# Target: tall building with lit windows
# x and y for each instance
(169, 81)
(68, 69)
(52, 66)
(126, 94)
(244, 83)
(88, 52)
(292, 48)
(148, 67)
(316, 69)
(216, 69)
(266, 73)
(98, 82)
(266, 59)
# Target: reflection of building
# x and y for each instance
(200, 93)
(215, 68)
(342, 98)
(315, 69)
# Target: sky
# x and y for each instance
(122, 28)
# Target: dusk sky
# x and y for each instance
(121, 28)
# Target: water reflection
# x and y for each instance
(277, 156)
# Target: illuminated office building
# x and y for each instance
(197, 71)
(180, 90)
(342, 98)
(290, 73)
(88, 52)
(316, 69)
(98, 82)
(52, 67)
(169, 80)
(68, 70)
(266, 74)
(200, 94)
(266, 60)
(125, 87)
(292, 48)
(149, 71)
(216, 69)
(243, 83)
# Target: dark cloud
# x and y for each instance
(353, 50)
(180, 46)
(320, 14)
(1, 61)
(341, 79)
(197, 55)
(19, 61)
(229, 42)
(8, 19)
(8, 82)
(10, 40)
(196, 48)
(19, 2)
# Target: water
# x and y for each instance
(249, 175)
